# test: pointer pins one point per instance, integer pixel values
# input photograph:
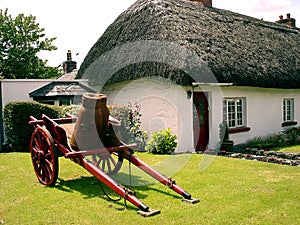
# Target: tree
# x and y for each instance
(20, 41)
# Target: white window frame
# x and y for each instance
(234, 112)
(288, 109)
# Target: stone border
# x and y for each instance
(283, 158)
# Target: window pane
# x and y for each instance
(288, 110)
(284, 110)
(239, 112)
(225, 110)
(233, 112)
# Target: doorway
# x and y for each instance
(200, 121)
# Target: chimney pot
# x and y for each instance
(204, 2)
(69, 65)
(69, 55)
(291, 22)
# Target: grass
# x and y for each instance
(292, 149)
(232, 191)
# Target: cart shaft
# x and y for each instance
(113, 185)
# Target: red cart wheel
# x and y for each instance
(44, 156)
(110, 163)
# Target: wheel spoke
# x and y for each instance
(48, 171)
(99, 162)
(45, 148)
(103, 164)
(113, 161)
(49, 162)
(108, 165)
(35, 149)
(37, 142)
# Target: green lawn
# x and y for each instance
(232, 191)
(292, 149)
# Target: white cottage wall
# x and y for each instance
(264, 110)
(163, 105)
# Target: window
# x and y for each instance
(64, 102)
(288, 110)
(234, 112)
(48, 102)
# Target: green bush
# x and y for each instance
(162, 142)
(16, 117)
(71, 109)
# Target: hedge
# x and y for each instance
(16, 117)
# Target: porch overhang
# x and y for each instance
(196, 84)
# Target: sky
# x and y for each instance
(77, 25)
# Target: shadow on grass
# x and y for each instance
(90, 187)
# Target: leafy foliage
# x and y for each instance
(21, 39)
(70, 109)
(162, 142)
(16, 117)
(130, 118)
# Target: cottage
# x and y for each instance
(191, 66)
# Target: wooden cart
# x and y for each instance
(49, 141)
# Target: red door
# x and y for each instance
(201, 129)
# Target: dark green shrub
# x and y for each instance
(293, 135)
(162, 142)
(16, 116)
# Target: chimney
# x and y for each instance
(69, 65)
(204, 2)
(69, 55)
(288, 21)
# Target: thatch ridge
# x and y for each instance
(239, 49)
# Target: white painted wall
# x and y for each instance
(163, 105)
(18, 90)
(264, 110)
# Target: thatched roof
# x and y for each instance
(238, 49)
